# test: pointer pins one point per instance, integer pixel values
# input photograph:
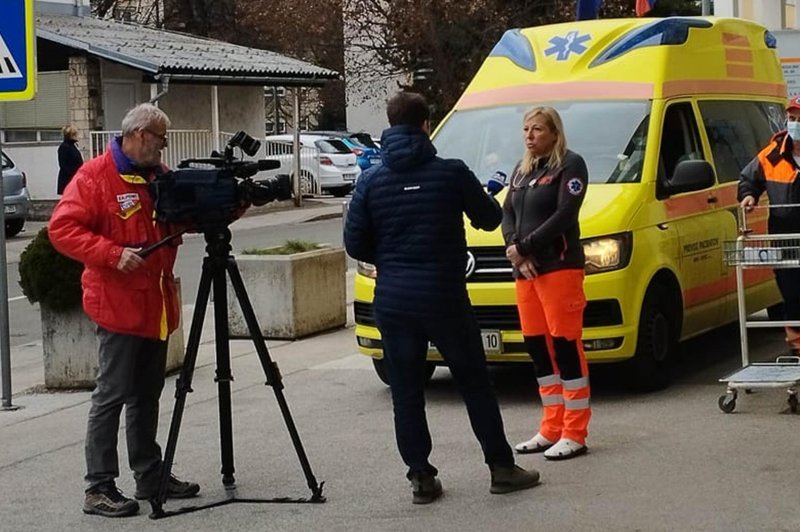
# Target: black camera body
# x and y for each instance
(211, 191)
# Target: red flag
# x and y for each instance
(644, 6)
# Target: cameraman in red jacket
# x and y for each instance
(105, 216)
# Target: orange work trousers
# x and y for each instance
(551, 314)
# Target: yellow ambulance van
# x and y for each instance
(665, 112)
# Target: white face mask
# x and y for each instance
(794, 130)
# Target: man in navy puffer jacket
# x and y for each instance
(406, 218)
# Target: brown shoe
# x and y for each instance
(506, 479)
(105, 499)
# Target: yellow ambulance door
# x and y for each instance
(697, 220)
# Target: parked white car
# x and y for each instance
(327, 165)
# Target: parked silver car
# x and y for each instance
(16, 196)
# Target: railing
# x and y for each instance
(193, 143)
(183, 144)
(283, 151)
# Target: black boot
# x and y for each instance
(427, 488)
(506, 479)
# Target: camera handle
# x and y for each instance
(144, 252)
(217, 265)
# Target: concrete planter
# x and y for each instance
(69, 346)
(292, 295)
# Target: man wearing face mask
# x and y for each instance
(775, 170)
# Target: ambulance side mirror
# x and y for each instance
(690, 176)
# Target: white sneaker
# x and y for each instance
(565, 449)
(537, 444)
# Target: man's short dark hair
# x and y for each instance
(407, 108)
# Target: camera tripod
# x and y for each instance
(216, 264)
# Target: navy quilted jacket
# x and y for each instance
(406, 217)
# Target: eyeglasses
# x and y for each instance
(162, 138)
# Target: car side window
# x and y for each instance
(737, 131)
(680, 140)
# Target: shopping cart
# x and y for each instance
(752, 250)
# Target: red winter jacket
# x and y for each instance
(101, 212)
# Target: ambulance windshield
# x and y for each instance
(610, 135)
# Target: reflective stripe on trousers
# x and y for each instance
(551, 314)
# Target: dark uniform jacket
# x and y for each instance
(407, 218)
(69, 160)
(774, 170)
(540, 214)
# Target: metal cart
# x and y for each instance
(752, 250)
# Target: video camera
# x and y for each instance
(210, 191)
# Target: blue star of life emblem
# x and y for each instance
(575, 186)
(570, 43)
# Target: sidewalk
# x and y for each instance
(27, 364)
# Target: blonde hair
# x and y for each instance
(553, 121)
(69, 131)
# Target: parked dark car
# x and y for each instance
(16, 197)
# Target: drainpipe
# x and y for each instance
(163, 83)
(298, 196)
(216, 144)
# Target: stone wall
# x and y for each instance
(84, 98)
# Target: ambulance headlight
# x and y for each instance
(366, 269)
(607, 253)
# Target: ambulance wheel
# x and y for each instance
(793, 403)
(380, 369)
(775, 312)
(727, 403)
(658, 336)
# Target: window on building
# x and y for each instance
(31, 136)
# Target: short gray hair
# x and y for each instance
(142, 116)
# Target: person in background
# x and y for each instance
(774, 170)
(69, 157)
(104, 217)
(542, 235)
(406, 218)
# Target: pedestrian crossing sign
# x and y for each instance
(17, 50)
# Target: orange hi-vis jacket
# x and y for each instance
(102, 212)
(774, 170)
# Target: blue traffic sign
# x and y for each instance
(17, 50)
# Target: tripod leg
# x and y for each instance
(272, 373)
(223, 376)
(183, 386)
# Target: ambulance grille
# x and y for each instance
(598, 313)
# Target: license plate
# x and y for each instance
(374, 160)
(492, 343)
(10, 209)
(349, 177)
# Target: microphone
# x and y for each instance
(496, 183)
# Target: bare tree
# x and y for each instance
(442, 43)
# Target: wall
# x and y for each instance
(766, 12)
(365, 96)
(188, 106)
(789, 52)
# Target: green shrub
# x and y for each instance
(48, 277)
(287, 248)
